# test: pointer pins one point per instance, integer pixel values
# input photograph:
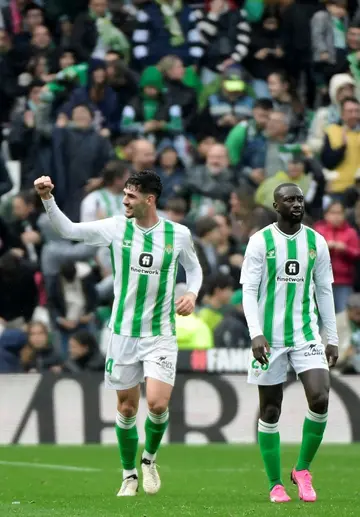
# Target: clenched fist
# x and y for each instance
(44, 186)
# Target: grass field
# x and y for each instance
(214, 480)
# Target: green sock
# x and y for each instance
(313, 432)
(127, 437)
(269, 441)
(155, 427)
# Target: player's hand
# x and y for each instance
(332, 354)
(260, 347)
(185, 305)
(44, 186)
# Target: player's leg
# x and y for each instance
(270, 379)
(314, 375)
(123, 373)
(159, 371)
(127, 436)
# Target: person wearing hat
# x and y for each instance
(232, 103)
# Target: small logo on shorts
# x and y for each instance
(314, 349)
(166, 365)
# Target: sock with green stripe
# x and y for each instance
(127, 437)
(269, 441)
(313, 432)
(155, 427)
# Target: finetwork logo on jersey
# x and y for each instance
(145, 262)
(291, 270)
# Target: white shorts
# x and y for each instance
(310, 356)
(130, 360)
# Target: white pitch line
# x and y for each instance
(48, 466)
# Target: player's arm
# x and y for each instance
(194, 275)
(251, 274)
(96, 233)
(323, 280)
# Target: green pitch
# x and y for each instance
(216, 480)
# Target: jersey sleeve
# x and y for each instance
(323, 273)
(189, 260)
(95, 233)
(254, 261)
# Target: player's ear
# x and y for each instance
(275, 205)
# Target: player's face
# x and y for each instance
(290, 205)
(136, 204)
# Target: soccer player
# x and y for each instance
(287, 278)
(145, 251)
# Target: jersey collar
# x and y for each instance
(148, 230)
(290, 237)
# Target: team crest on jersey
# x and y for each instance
(169, 249)
(270, 254)
(312, 254)
(127, 244)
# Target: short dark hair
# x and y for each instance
(218, 281)
(86, 338)
(263, 103)
(205, 225)
(28, 196)
(113, 170)
(348, 99)
(146, 182)
(280, 187)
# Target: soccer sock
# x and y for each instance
(127, 437)
(269, 441)
(155, 427)
(313, 432)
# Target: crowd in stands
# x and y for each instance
(225, 99)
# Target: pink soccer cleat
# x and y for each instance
(279, 495)
(303, 479)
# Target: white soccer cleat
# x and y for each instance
(151, 478)
(129, 487)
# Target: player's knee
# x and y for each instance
(270, 413)
(127, 408)
(318, 402)
(158, 407)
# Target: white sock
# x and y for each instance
(147, 456)
(127, 473)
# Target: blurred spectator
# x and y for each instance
(175, 210)
(121, 78)
(100, 97)
(143, 155)
(208, 187)
(229, 250)
(225, 35)
(94, 33)
(341, 150)
(266, 53)
(344, 246)
(348, 325)
(232, 331)
(106, 201)
(177, 93)
(80, 154)
(164, 28)
(192, 333)
(41, 45)
(218, 291)
(328, 34)
(8, 77)
(5, 181)
(204, 143)
(25, 226)
(241, 206)
(11, 343)
(250, 135)
(84, 354)
(19, 294)
(206, 240)
(341, 86)
(285, 99)
(171, 172)
(352, 194)
(39, 355)
(231, 102)
(72, 301)
(8, 240)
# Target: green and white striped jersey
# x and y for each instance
(144, 265)
(284, 269)
(101, 203)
